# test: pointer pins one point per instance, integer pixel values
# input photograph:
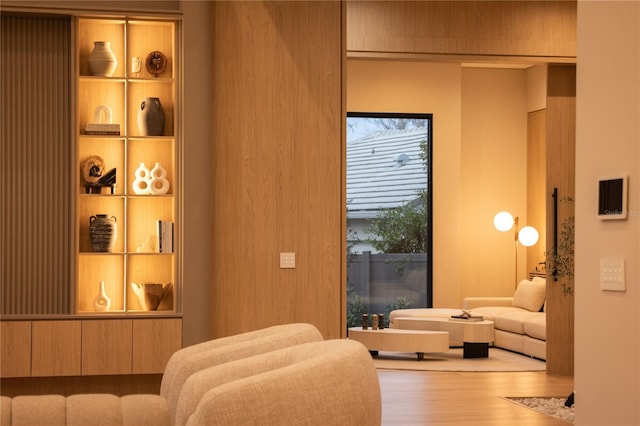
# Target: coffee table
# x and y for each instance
(399, 340)
(474, 335)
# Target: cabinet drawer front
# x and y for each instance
(106, 346)
(55, 349)
(15, 348)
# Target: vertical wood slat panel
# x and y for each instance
(35, 163)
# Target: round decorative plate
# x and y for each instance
(156, 62)
(92, 169)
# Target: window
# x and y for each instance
(389, 198)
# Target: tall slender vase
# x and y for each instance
(102, 301)
(102, 60)
(151, 117)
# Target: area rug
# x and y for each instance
(553, 407)
(499, 360)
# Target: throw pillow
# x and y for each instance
(530, 295)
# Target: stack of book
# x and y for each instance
(102, 129)
(165, 236)
(466, 316)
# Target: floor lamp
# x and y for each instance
(527, 236)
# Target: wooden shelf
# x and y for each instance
(136, 215)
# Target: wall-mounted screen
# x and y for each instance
(612, 198)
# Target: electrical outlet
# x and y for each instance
(612, 274)
(287, 260)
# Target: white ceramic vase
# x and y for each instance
(159, 185)
(141, 184)
(102, 60)
(102, 302)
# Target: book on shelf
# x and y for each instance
(165, 236)
(102, 129)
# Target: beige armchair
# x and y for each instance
(280, 375)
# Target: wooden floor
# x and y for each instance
(462, 398)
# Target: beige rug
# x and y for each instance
(499, 360)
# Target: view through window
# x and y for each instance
(389, 198)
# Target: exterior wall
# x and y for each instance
(607, 324)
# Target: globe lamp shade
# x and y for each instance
(528, 236)
(503, 221)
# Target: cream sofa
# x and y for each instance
(280, 375)
(519, 321)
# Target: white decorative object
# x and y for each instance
(102, 60)
(150, 245)
(102, 302)
(158, 185)
(142, 183)
(102, 122)
(136, 62)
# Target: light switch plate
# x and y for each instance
(612, 274)
(287, 260)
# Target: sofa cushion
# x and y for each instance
(31, 410)
(530, 295)
(491, 312)
(536, 326)
(513, 322)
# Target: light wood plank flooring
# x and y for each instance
(463, 398)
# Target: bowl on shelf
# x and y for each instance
(150, 295)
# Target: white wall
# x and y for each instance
(479, 149)
(494, 178)
(607, 324)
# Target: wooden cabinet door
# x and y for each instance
(106, 346)
(15, 350)
(154, 341)
(56, 348)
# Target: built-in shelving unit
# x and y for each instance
(135, 256)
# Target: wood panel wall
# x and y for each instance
(561, 137)
(515, 28)
(36, 263)
(537, 198)
(149, 7)
(276, 169)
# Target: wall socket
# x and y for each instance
(287, 260)
(612, 274)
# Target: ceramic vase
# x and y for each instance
(151, 117)
(158, 185)
(103, 231)
(141, 184)
(102, 301)
(102, 60)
